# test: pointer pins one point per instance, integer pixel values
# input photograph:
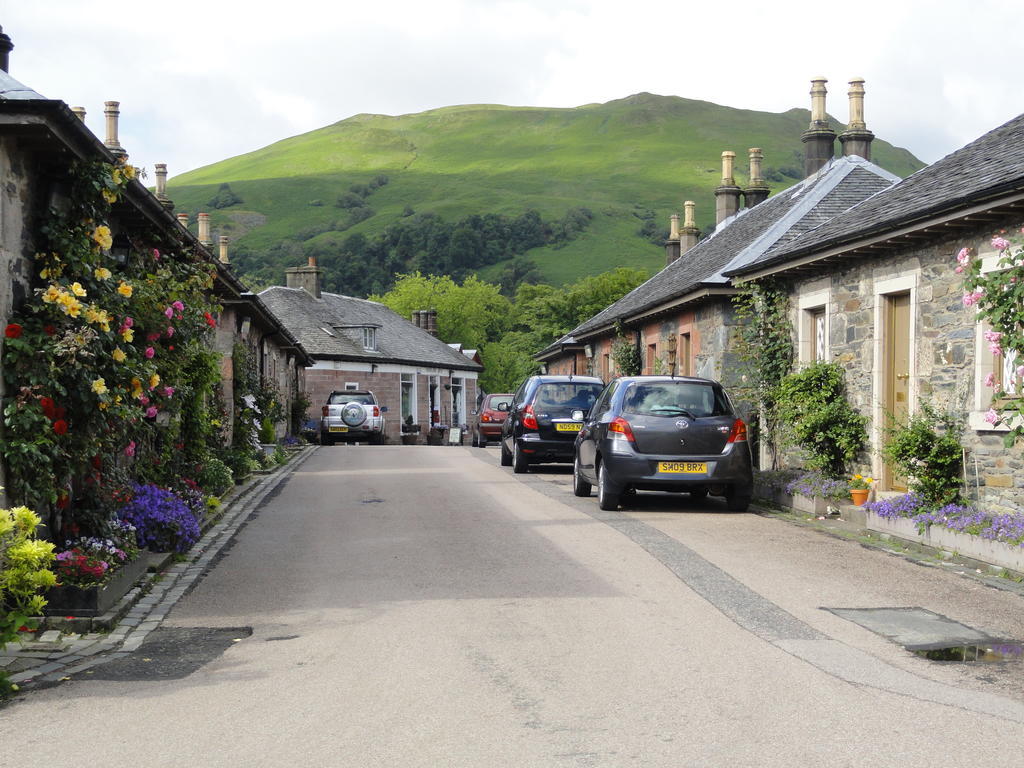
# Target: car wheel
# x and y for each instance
(737, 501)
(580, 487)
(519, 462)
(506, 457)
(607, 494)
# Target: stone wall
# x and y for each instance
(947, 360)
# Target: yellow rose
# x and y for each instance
(124, 289)
(52, 294)
(102, 236)
(116, 175)
(110, 197)
(102, 273)
(154, 380)
(119, 355)
(99, 386)
(129, 171)
(77, 289)
(127, 334)
(104, 405)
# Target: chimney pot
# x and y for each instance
(79, 113)
(819, 139)
(856, 139)
(688, 237)
(432, 321)
(160, 171)
(224, 250)
(183, 220)
(727, 168)
(6, 46)
(819, 116)
(673, 233)
(672, 244)
(204, 229)
(111, 111)
(727, 195)
(758, 191)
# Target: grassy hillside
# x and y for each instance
(622, 160)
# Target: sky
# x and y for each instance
(201, 81)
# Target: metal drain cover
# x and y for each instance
(914, 628)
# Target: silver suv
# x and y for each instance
(352, 416)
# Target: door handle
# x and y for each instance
(902, 376)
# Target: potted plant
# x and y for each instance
(860, 488)
(410, 431)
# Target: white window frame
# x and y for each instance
(984, 364)
(808, 304)
(370, 339)
(409, 378)
(460, 400)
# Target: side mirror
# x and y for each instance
(383, 409)
(504, 407)
(577, 415)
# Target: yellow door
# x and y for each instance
(897, 371)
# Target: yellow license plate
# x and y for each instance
(338, 429)
(684, 467)
(568, 427)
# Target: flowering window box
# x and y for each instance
(94, 601)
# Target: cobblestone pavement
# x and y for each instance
(53, 655)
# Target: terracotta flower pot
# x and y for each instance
(859, 495)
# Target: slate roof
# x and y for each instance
(987, 167)
(329, 327)
(11, 89)
(747, 236)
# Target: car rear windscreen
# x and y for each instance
(568, 395)
(494, 402)
(340, 398)
(675, 398)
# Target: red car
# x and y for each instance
(488, 418)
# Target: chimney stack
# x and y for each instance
(672, 244)
(111, 111)
(431, 324)
(856, 139)
(224, 250)
(307, 277)
(758, 191)
(690, 233)
(160, 171)
(819, 139)
(204, 229)
(6, 46)
(183, 220)
(79, 113)
(727, 195)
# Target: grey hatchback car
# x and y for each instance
(667, 434)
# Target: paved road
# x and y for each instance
(401, 606)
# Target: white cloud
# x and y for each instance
(201, 81)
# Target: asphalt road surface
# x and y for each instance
(417, 606)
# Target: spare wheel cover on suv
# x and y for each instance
(353, 414)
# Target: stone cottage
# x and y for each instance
(876, 289)
(357, 344)
(682, 318)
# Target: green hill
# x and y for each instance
(629, 162)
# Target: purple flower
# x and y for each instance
(898, 506)
(164, 522)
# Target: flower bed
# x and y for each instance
(992, 538)
(70, 600)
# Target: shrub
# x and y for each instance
(163, 521)
(24, 573)
(215, 476)
(816, 418)
(926, 449)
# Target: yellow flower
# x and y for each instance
(98, 316)
(127, 334)
(154, 380)
(116, 175)
(117, 398)
(110, 197)
(136, 388)
(104, 405)
(69, 304)
(119, 355)
(99, 386)
(52, 294)
(129, 171)
(124, 289)
(102, 237)
(77, 289)
(102, 273)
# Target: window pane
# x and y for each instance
(671, 398)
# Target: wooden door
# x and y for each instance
(897, 371)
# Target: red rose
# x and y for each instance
(62, 502)
(48, 406)
(12, 331)
(60, 427)
(209, 319)
(49, 330)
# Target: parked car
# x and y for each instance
(488, 418)
(540, 426)
(352, 416)
(667, 434)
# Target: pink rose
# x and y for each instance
(993, 335)
(992, 417)
(1020, 371)
(151, 412)
(178, 306)
(169, 313)
(129, 450)
(143, 400)
(972, 298)
(995, 349)
(128, 323)
(168, 391)
(170, 331)
(1000, 243)
(990, 380)
(959, 270)
(149, 353)
(156, 254)
(964, 256)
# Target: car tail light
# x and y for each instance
(325, 411)
(376, 411)
(739, 432)
(529, 420)
(620, 430)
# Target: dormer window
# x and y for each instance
(370, 339)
